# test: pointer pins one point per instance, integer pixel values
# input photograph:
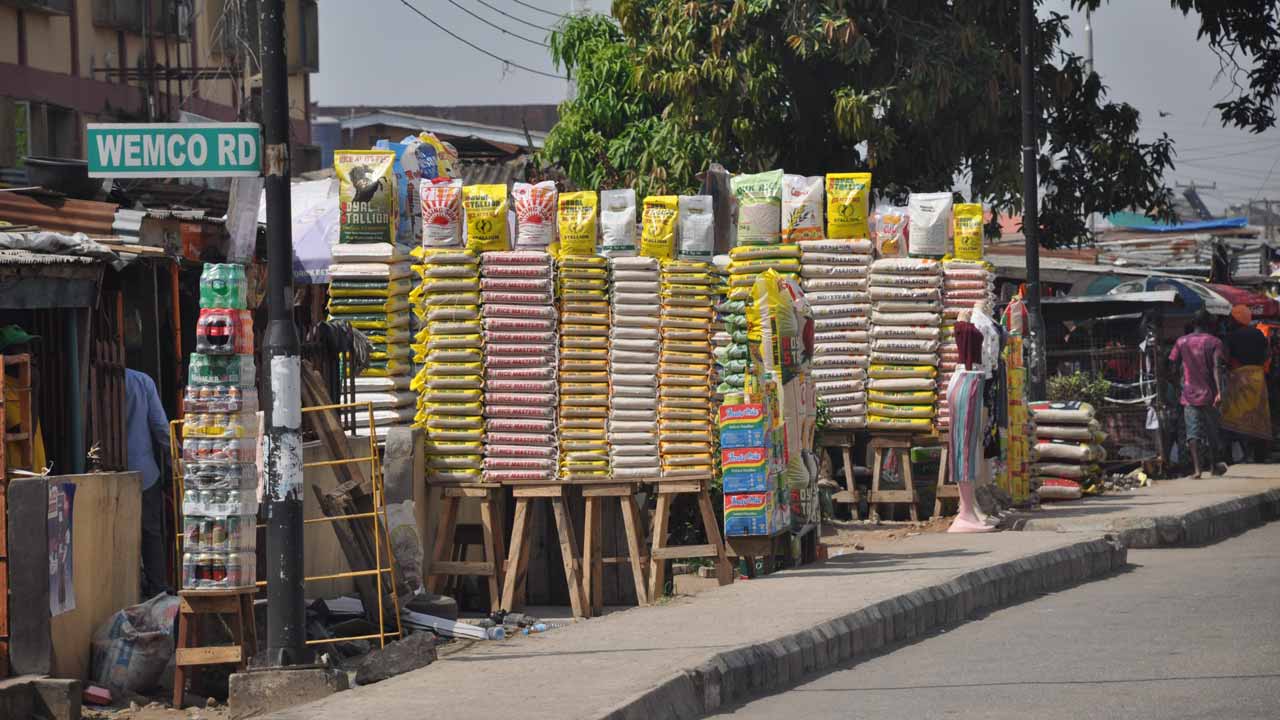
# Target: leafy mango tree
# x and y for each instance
(920, 92)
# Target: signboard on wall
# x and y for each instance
(165, 150)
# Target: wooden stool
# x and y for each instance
(845, 441)
(944, 489)
(238, 603)
(513, 589)
(593, 559)
(661, 552)
(443, 566)
(900, 446)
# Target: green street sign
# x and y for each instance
(141, 150)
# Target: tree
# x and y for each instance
(917, 91)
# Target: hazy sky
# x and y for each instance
(380, 52)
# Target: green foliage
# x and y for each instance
(917, 92)
(1090, 387)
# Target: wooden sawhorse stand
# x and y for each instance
(843, 439)
(513, 589)
(596, 496)
(238, 603)
(944, 489)
(900, 446)
(661, 552)
(443, 566)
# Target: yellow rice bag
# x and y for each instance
(847, 199)
(967, 219)
(486, 211)
(658, 228)
(576, 217)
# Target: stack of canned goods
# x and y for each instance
(219, 534)
(219, 445)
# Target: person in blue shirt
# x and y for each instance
(147, 432)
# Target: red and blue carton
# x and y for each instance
(744, 426)
(745, 470)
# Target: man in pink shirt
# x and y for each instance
(1203, 361)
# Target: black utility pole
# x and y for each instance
(283, 410)
(1030, 213)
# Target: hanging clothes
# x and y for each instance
(965, 399)
(969, 345)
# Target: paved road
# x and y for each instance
(1187, 633)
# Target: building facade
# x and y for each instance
(65, 63)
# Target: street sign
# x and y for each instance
(142, 150)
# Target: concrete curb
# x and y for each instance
(735, 675)
(1205, 526)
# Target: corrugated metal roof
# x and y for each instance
(57, 213)
(493, 173)
(28, 258)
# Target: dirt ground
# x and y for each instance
(847, 534)
(155, 711)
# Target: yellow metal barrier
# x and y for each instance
(381, 534)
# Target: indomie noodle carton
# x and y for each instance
(745, 470)
(743, 426)
(750, 514)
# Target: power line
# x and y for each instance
(535, 7)
(495, 26)
(1273, 169)
(477, 48)
(1250, 151)
(1252, 142)
(513, 17)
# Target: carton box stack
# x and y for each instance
(749, 471)
(219, 439)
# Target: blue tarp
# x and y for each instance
(1134, 221)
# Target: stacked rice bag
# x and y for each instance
(450, 346)
(906, 319)
(729, 335)
(369, 287)
(835, 286)
(685, 423)
(584, 367)
(517, 290)
(964, 284)
(1068, 444)
(633, 384)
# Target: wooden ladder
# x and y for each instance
(668, 490)
(24, 437)
(190, 655)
